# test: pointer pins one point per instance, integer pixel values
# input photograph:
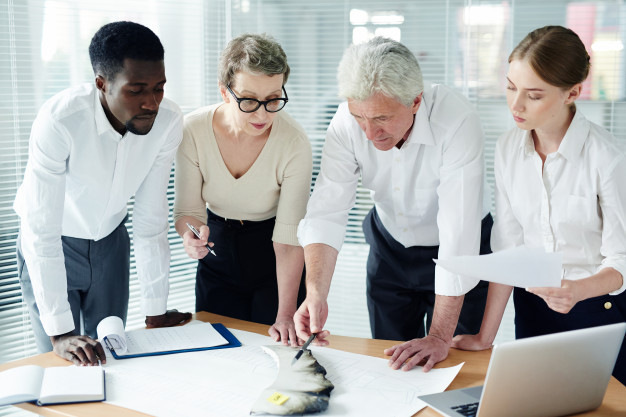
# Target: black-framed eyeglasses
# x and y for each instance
(250, 105)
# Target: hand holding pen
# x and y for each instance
(303, 348)
(195, 232)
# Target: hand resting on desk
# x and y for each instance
(429, 349)
(284, 330)
(471, 342)
(80, 350)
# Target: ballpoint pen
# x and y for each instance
(304, 346)
(195, 232)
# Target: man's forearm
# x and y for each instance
(445, 317)
(320, 261)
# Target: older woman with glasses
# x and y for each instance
(243, 174)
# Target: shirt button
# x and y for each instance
(401, 214)
(405, 230)
(396, 188)
(608, 305)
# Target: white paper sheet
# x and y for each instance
(226, 382)
(520, 267)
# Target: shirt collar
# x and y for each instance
(421, 132)
(102, 122)
(572, 143)
(575, 137)
(527, 144)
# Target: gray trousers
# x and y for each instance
(97, 283)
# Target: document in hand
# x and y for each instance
(162, 341)
(520, 267)
(55, 385)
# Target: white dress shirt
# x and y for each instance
(78, 180)
(576, 206)
(427, 193)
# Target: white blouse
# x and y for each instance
(576, 205)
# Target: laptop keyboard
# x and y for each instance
(468, 410)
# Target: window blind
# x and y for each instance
(461, 43)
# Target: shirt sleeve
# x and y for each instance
(507, 232)
(188, 180)
(150, 226)
(613, 204)
(460, 194)
(294, 193)
(334, 193)
(40, 206)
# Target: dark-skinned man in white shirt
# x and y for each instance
(93, 147)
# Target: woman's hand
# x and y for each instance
(470, 342)
(284, 330)
(561, 300)
(196, 248)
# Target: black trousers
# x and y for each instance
(401, 285)
(240, 282)
(533, 317)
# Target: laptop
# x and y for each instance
(551, 375)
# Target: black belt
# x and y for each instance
(237, 222)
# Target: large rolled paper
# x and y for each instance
(112, 328)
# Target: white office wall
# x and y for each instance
(462, 43)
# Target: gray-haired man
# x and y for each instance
(420, 151)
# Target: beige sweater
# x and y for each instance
(277, 184)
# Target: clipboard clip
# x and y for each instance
(108, 344)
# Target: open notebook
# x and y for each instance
(54, 385)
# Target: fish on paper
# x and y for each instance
(301, 388)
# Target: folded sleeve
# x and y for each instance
(294, 192)
(188, 179)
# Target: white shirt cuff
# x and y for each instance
(56, 324)
(619, 267)
(452, 285)
(154, 306)
(321, 231)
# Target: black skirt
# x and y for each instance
(240, 282)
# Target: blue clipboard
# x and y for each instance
(221, 329)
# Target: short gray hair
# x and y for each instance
(255, 53)
(380, 65)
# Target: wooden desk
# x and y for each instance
(472, 373)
